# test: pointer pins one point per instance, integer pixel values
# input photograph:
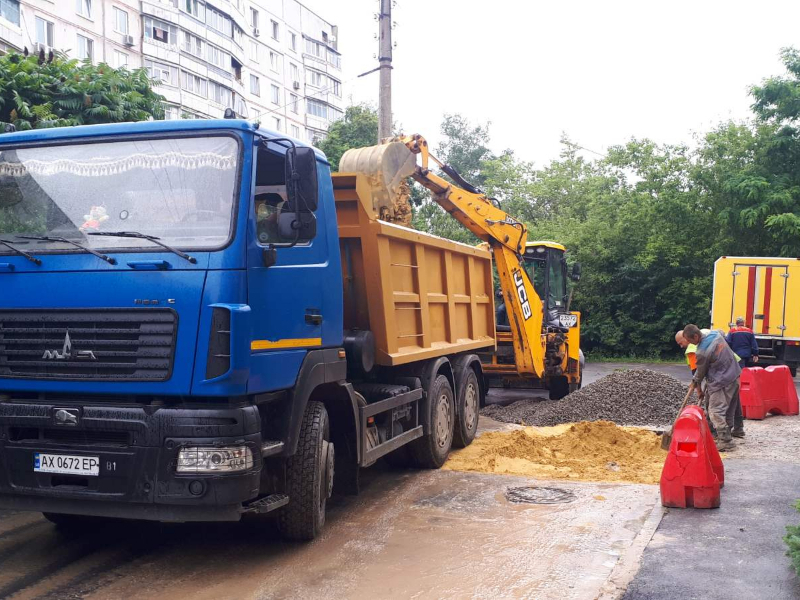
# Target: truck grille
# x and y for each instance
(88, 344)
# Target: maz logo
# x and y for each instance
(523, 295)
(66, 352)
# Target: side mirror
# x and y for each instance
(301, 179)
(300, 226)
(576, 272)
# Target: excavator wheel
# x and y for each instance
(558, 387)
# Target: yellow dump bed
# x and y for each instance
(422, 296)
(765, 291)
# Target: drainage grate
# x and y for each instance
(539, 495)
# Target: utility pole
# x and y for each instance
(385, 60)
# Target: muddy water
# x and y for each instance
(420, 534)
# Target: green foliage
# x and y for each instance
(792, 540)
(37, 93)
(357, 129)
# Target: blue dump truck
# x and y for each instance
(188, 332)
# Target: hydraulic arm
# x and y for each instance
(505, 235)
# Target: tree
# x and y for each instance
(357, 129)
(38, 92)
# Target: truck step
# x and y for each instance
(267, 504)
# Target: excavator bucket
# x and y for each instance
(386, 168)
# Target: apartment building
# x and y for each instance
(274, 61)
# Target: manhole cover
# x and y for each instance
(539, 495)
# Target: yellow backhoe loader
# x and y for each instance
(538, 336)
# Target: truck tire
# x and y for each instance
(558, 387)
(431, 450)
(309, 477)
(469, 399)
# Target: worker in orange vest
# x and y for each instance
(690, 352)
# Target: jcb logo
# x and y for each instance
(523, 295)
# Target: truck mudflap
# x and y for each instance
(128, 456)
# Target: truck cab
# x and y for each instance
(156, 316)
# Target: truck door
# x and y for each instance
(759, 295)
(294, 301)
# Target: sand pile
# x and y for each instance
(588, 451)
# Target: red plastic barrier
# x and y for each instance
(769, 390)
(693, 472)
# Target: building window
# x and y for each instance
(293, 41)
(295, 73)
(255, 85)
(314, 78)
(220, 94)
(315, 49)
(120, 59)
(273, 61)
(334, 59)
(85, 48)
(337, 88)
(194, 84)
(237, 69)
(253, 51)
(253, 18)
(325, 36)
(192, 44)
(277, 122)
(238, 35)
(9, 10)
(44, 32)
(295, 131)
(120, 21)
(255, 114)
(276, 31)
(166, 74)
(194, 8)
(171, 112)
(275, 93)
(217, 57)
(220, 22)
(84, 8)
(294, 104)
(160, 31)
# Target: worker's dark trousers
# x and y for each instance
(738, 417)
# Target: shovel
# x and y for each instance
(666, 438)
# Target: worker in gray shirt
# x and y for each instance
(717, 364)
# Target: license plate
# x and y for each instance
(66, 465)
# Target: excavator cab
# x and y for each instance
(546, 265)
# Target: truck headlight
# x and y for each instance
(200, 459)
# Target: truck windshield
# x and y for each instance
(180, 190)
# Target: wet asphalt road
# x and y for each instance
(422, 534)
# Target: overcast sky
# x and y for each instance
(600, 71)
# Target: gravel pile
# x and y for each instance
(635, 397)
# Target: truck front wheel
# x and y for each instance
(430, 451)
(309, 477)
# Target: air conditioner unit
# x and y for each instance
(127, 40)
(256, 32)
(296, 85)
(332, 39)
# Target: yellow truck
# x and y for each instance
(766, 292)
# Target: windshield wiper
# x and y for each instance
(143, 236)
(45, 238)
(33, 259)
